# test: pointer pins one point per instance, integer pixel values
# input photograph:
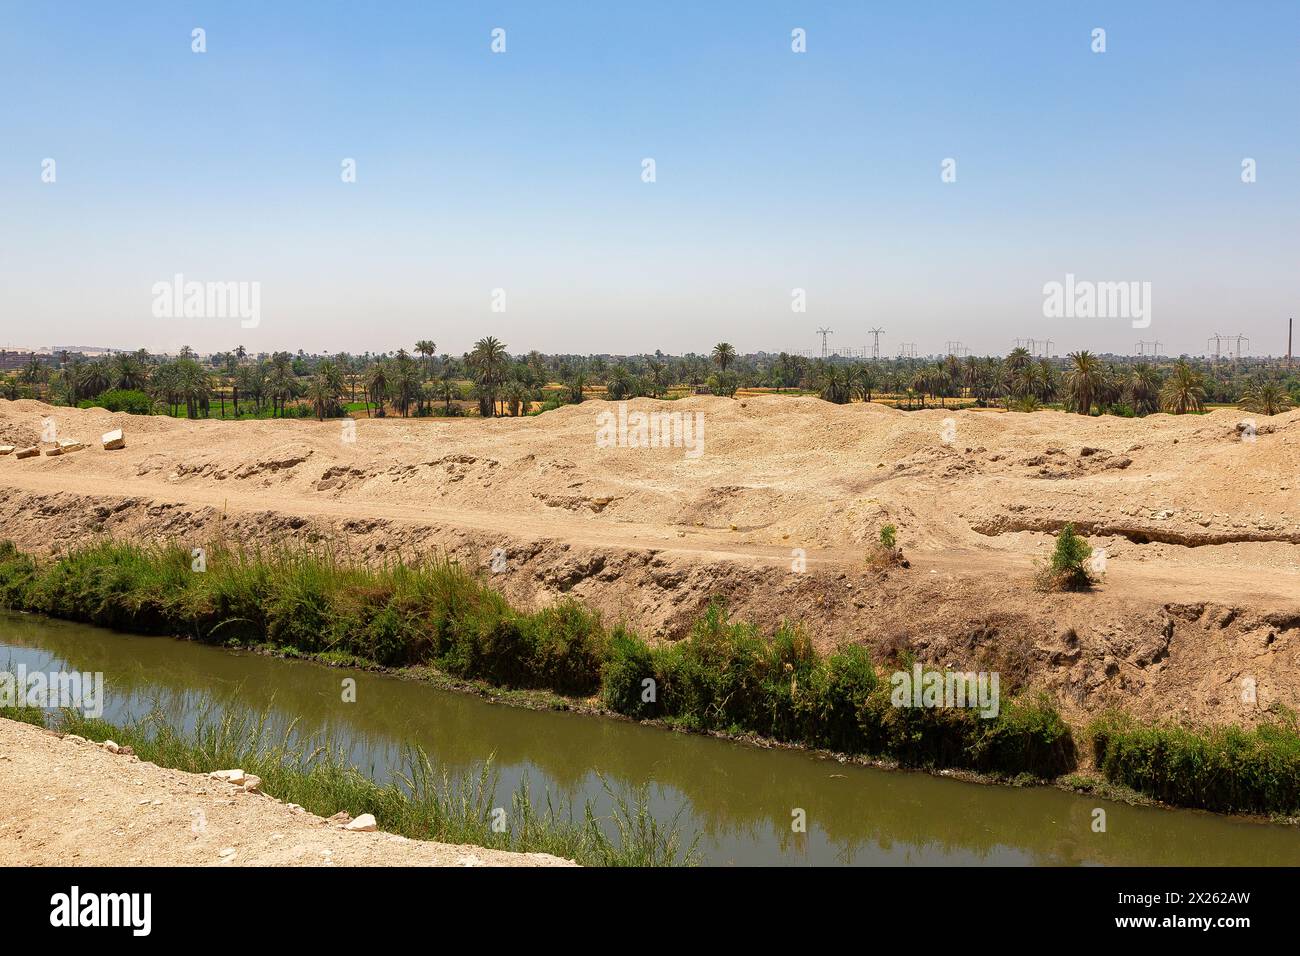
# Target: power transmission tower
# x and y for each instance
(1218, 341)
(875, 348)
(907, 350)
(957, 349)
(1149, 349)
(823, 333)
(1047, 348)
(1240, 339)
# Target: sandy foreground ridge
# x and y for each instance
(1200, 525)
(69, 802)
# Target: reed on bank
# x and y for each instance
(423, 802)
(1229, 769)
(724, 676)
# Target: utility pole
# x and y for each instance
(823, 333)
(1289, 323)
(875, 348)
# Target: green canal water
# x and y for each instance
(739, 798)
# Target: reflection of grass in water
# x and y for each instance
(425, 802)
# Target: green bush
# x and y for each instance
(1229, 769)
(568, 646)
(628, 663)
(121, 400)
(1067, 569)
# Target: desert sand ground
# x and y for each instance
(1200, 525)
(68, 802)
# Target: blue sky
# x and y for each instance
(522, 171)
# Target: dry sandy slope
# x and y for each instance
(1201, 528)
(68, 803)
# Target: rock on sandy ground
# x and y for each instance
(68, 802)
(1201, 528)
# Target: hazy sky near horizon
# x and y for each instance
(522, 171)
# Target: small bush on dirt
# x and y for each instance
(886, 553)
(1067, 569)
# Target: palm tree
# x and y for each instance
(445, 390)
(93, 378)
(1265, 398)
(971, 371)
(1184, 391)
(487, 363)
(658, 371)
(1016, 360)
(281, 383)
(723, 355)
(920, 384)
(864, 382)
(427, 349)
(34, 373)
(1045, 381)
(129, 372)
(618, 385)
(516, 397)
(837, 384)
(377, 378)
(1143, 389)
(405, 382)
(951, 373)
(1083, 382)
(325, 390)
(248, 379)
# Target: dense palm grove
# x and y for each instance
(491, 382)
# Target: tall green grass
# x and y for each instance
(1228, 769)
(727, 676)
(428, 612)
(724, 676)
(424, 802)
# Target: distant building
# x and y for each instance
(16, 359)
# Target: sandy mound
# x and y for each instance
(1191, 513)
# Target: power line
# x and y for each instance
(824, 333)
(875, 348)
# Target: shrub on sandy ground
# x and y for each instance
(1229, 769)
(886, 553)
(1067, 569)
